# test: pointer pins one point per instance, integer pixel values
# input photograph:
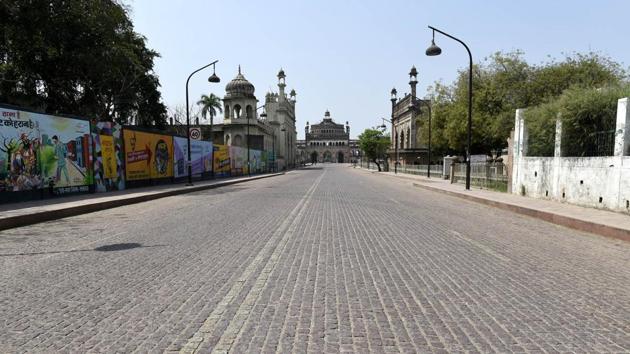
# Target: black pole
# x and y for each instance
(249, 172)
(469, 138)
(212, 141)
(273, 152)
(395, 139)
(188, 122)
(428, 105)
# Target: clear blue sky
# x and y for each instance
(346, 55)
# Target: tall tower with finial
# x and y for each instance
(413, 81)
(281, 84)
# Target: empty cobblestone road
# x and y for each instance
(321, 260)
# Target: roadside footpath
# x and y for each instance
(601, 222)
(32, 212)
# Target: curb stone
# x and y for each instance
(48, 215)
(567, 221)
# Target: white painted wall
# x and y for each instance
(576, 180)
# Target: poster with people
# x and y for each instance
(201, 156)
(256, 164)
(221, 158)
(39, 150)
(238, 157)
(147, 155)
(109, 160)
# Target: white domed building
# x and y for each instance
(270, 126)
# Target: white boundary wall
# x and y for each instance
(599, 182)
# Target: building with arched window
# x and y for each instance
(327, 141)
(244, 124)
(407, 113)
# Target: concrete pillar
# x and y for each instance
(557, 149)
(555, 191)
(622, 128)
(622, 147)
(519, 149)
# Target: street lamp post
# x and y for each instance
(434, 50)
(384, 127)
(394, 134)
(273, 151)
(249, 173)
(286, 150)
(213, 78)
(428, 105)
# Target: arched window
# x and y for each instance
(249, 111)
(402, 140)
(227, 138)
(227, 111)
(238, 140)
(237, 111)
(408, 137)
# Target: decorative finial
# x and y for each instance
(239, 69)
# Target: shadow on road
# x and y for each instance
(104, 248)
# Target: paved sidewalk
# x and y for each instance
(32, 212)
(602, 222)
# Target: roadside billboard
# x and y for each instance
(221, 160)
(109, 168)
(147, 155)
(201, 156)
(39, 150)
(238, 157)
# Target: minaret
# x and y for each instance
(413, 81)
(306, 134)
(281, 84)
(348, 132)
(292, 94)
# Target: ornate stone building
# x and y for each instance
(328, 141)
(280, 110)
(245, 122)
(406, 112)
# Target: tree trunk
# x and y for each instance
(377, 165)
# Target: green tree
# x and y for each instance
(78, 56)
(502, 83)
(374, 145)
(210, 105)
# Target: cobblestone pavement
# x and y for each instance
(322, 260)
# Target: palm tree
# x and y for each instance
(210, 105)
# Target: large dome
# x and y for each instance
(239, 86)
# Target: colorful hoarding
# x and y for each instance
(109, 168)
(147, 155)
(201, 156)
(238, 157)
(256, 163)
(39, 150)
(221, 157)
(108, 153)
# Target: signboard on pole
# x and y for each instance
(195, 133)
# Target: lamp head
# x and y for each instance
(213, 78)
(433, 49)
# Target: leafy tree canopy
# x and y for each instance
(78, 56)
(374, 145)
(502, 83)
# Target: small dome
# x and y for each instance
(239, 85)
(281, 73)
